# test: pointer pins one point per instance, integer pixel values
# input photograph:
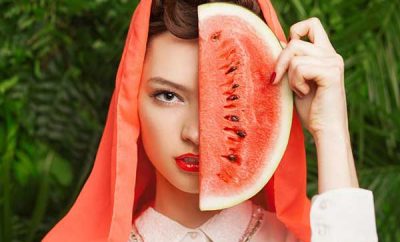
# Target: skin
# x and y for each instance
(169, 120)
(169, 126)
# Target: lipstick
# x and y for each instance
(188, 162)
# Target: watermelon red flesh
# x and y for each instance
(244, 120)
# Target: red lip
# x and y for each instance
(188, 162)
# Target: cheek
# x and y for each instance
(161, 136)
(160, 130)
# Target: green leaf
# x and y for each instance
(62, 171)
(7, 84)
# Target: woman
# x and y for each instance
(140, 189)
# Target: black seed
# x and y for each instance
(235, 85)
(233, 118)
(232, 157)
(232, 97)
(232, 68)
(241, 133)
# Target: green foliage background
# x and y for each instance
(58, 60)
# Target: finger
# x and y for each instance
(313, 29)
(294, 48)
(322, 75)
(298, 93)
(303, 104)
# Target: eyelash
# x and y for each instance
(156, 93)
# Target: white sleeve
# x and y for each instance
(343, 215)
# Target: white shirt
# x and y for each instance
(339, 215)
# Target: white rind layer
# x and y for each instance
(264, 32)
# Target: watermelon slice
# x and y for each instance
(244, 120)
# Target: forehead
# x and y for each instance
(172, 58)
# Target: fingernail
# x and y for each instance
(272, 78)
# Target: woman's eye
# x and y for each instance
(166, 96)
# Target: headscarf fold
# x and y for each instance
(122, 180)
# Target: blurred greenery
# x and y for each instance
(58, 60)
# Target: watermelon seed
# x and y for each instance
(229, 92)
(215, 36)
(235, 85)
(230, 157)
(230, 106)
(231, 69)
(231, 52)
(233, 139)
(232, 97)
(232, 118)
(235, 118)
(241, 133)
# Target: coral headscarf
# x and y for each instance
(122, 180)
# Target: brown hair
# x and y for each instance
(180, 16)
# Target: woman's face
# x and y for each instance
(169, 114)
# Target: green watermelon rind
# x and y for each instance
(265, 33)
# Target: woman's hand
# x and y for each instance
(316, 75)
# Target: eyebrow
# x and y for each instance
(165, 82)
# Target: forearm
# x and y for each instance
(336, 168)
(354, 180)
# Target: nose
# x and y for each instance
(190, 130)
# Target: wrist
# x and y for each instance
(334, 159)
(334, 134)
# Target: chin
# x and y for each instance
(192, 191)
(188, 186)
